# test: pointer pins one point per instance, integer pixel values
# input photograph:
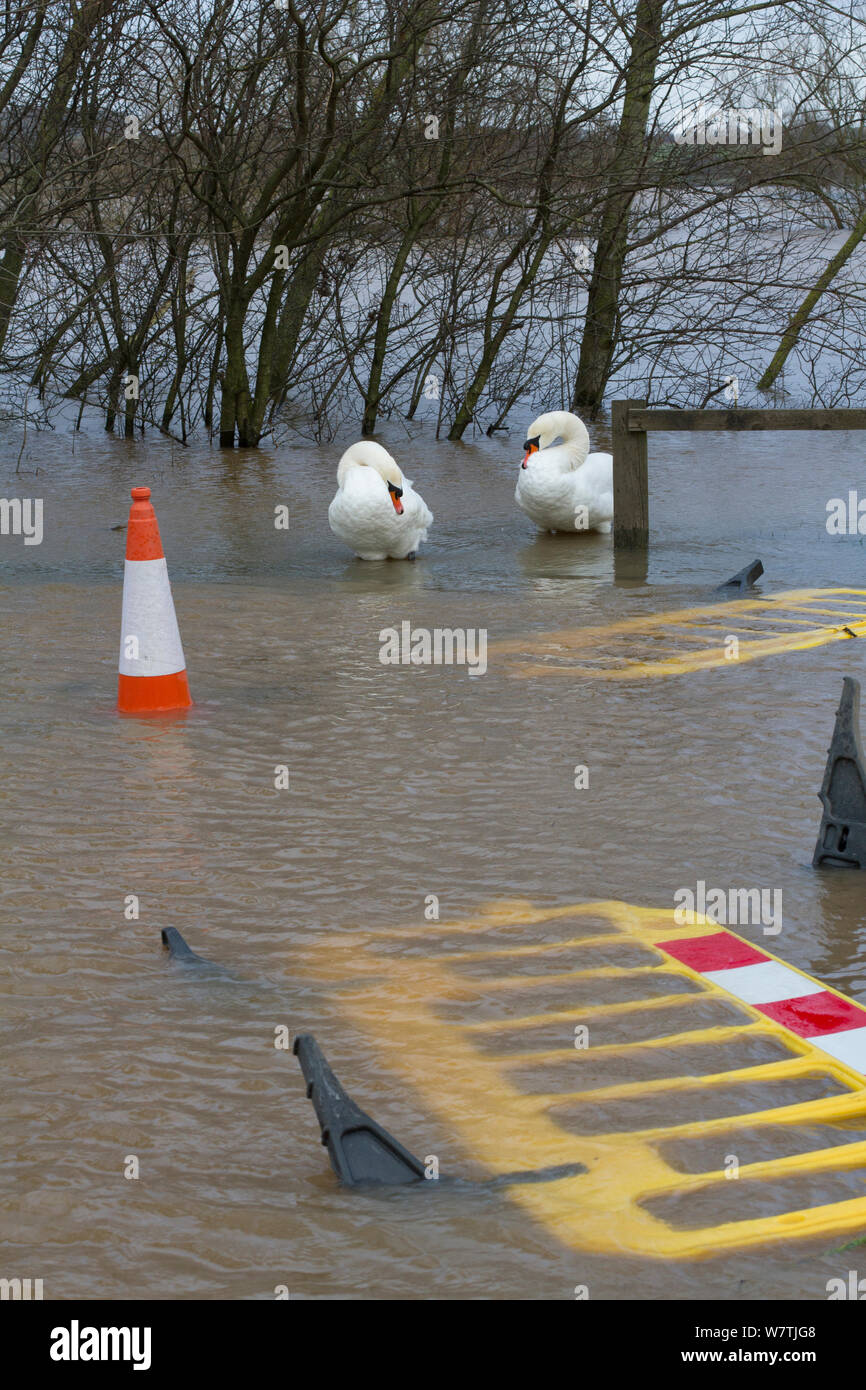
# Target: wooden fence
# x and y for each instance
(632, 420)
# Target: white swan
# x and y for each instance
(376, 511)
(564, 488)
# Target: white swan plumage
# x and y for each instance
(376, 511)
(564, 488)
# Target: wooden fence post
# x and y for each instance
(630, 481)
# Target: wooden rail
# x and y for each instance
(631, 420)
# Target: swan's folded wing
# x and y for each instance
(597, 470)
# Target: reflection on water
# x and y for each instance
(404, 782)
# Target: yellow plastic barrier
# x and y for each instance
(680, 1080)
(640, 647)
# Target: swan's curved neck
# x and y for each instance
(575, 445)
(575, 439)
(349, 464)
(345, 466)
(367, 454)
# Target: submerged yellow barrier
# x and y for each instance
(681, 1085)
(655, 644)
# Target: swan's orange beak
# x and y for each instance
(396, 493)
(530, 450)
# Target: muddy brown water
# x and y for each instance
(403, 783)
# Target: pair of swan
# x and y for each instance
(560, 487)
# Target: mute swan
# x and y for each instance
(564, 488)
(376, 512)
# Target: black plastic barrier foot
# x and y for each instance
(360, 1150)
(842, 837)
(178, 948)
(744, 578)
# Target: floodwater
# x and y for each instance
(404, 782)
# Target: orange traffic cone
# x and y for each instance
(152, 671)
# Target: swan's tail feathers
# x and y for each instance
(842, 837)
(744, 578)
(177, 947)
(360, 1150)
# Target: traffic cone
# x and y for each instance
(152, 671)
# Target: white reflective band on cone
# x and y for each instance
(148, 615)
